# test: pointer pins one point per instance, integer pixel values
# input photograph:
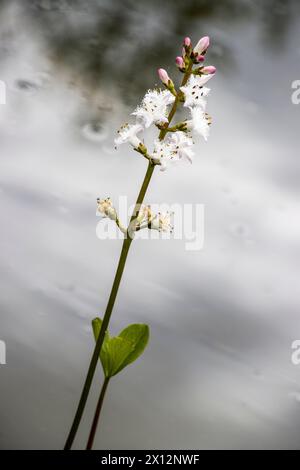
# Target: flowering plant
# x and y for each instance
(174, 144)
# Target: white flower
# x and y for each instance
(194, 91)
(148, 219)
(199, 122)
(175, 147)
(154, 107)
(128, 133)
(182, 145)
(162, 222)
(164, 152)
(105, 209)
(144, 217)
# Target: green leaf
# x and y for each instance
(113, 355)
(138, 335)
(120, 351)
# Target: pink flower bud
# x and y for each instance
(163, 75)
(209, 70)
(179, 62)
(187, 42)
(200, 58)
(202, 46)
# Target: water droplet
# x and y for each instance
(94, 131)
(26, 85)
(33, 84)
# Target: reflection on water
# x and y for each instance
(222, 319)
(100, 39)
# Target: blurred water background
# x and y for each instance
(218, 371)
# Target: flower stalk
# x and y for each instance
(151, 111)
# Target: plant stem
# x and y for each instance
(97, 414)
(115, 287)
(118, 276)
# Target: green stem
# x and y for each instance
(163, 132)
(97, 414)
(115, 287)
(118, 276)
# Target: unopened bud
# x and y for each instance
(187, 47)
(209, 70)
(187, 42)
(202, 46)
(164, 77)
(180, 62)
(200, 58)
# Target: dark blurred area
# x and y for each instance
(96, 40)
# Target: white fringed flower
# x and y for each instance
(128, 133)
(105, 208)
(182, 145)
(154, 107)
(175, 147)
(195, 92)
(162, 222)
(199, 122)
(164, 152)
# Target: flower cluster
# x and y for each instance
(174, 144)
(148, 219)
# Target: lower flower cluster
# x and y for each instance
(145, 218)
